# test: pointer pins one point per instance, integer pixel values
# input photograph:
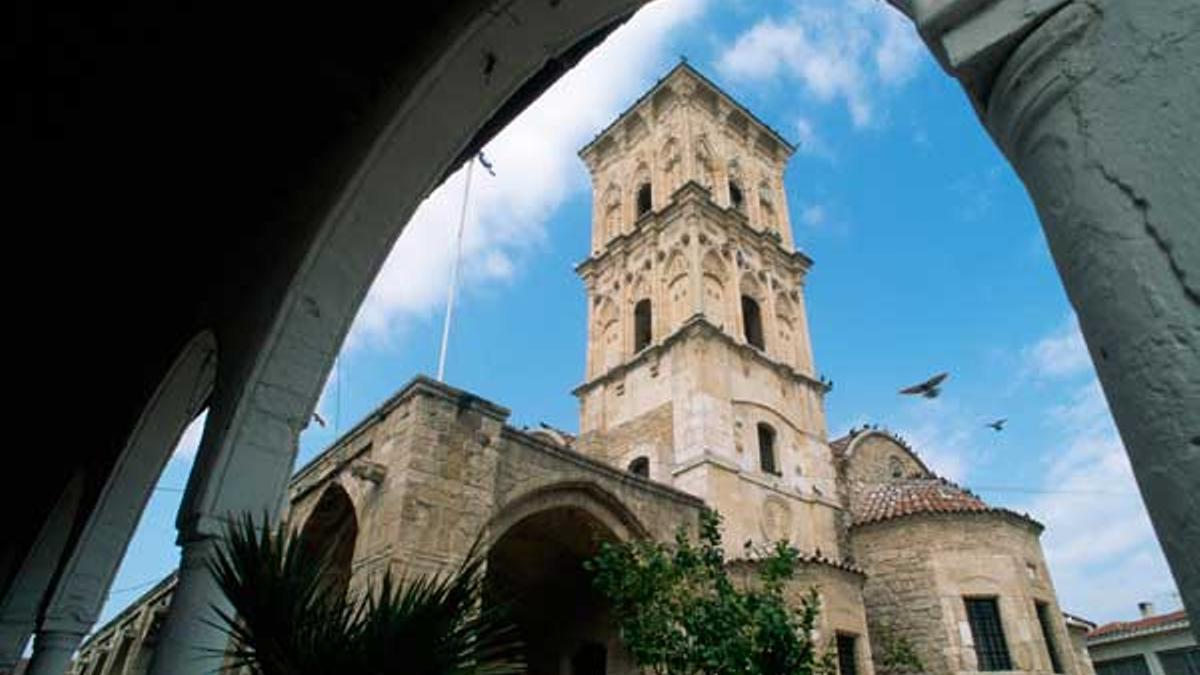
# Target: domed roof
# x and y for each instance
(908, 497)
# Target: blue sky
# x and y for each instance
(928, 252)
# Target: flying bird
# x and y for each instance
(928, 388)
(998, 425)
(320, 420)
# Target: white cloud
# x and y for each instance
(813, 215)
(189, 443)
(1060, 354)
(836, 51)
(898, 53)
(809, 142)
(937, 431)
(507, 214)
(1099, 543)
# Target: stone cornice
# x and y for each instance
(788, 146)
(972, 39)
(156, 593)
(761, 480)
(1020, 519)
(692, 193)
(583, 461)
(809, 559)
(698, 324)
(419, 385)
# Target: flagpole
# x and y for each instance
(462, 221)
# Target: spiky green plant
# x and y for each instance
(287, 620)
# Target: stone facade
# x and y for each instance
(699, 389)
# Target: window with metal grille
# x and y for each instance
(766, 449)
(846, 643)
(991, 650)
(1130, 665)
(1184, 661)
(1043, 615)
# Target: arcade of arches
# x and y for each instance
(676, 414)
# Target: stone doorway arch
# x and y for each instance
(535, 569)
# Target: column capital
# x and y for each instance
(972, 39)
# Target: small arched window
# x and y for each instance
(752, 322)
(640, 466)
(736, 200)
(643, 331)
(766, 449)
(895, 467)
(643, 199)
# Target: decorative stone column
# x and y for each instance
(188, 636)
(1094, 102)
(53, 649)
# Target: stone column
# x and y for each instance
(52, 651)
(187, 638)
(1095, 103)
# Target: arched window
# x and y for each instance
(640, 466)
(766, 449)
(329, 536)
(736, 200)
(643, 199)
(643, 330)
(752, 321)
(895, 467)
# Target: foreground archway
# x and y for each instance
(1066, 88)
(536, 569)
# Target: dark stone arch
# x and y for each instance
(640, 466)
(643, 325)
(536, 569)
(767, 459)
(752, 322)
(330, 533)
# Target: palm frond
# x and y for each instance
(287, 620)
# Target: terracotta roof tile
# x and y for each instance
(908, 497)
(1132, 627)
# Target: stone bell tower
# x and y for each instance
(699, 367)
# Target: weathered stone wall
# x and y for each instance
(649, 435)
(919, 568)
(428, 473)
(872, 458)
(1078, 635)
(839, 591)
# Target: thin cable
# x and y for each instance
(462, 222)
(134, 587)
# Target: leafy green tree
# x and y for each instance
(680, 613)
(287, 620)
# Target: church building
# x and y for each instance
(699, 389)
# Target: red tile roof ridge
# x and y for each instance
(1133, 627)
